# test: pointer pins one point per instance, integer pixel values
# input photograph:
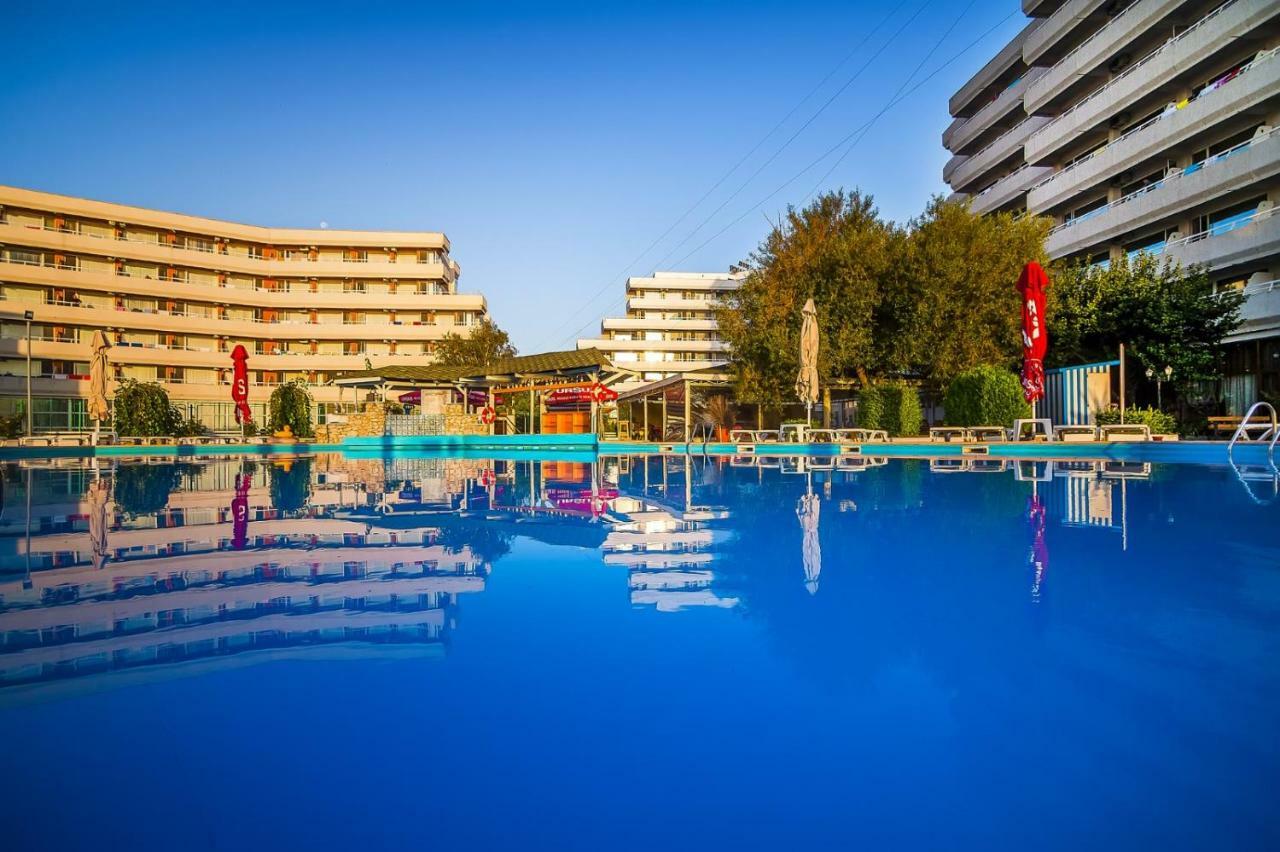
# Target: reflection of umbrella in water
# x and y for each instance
(807, 510)
(1039, 555)
(240, 512)
(98, 497)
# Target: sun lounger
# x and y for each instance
(989, 434)
(1075, 434)
(35, 441)
(1126, 432)
(947, 434)
(822, 436)
(948, 465)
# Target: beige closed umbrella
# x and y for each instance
(807, 379)
(99, 407)
(808, 509)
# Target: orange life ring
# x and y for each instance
(488, 415)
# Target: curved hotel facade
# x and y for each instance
(176, 293)
(1150, 126)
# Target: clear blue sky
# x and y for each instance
(552, 142)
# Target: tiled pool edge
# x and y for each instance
(578, 446)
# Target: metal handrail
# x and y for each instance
(1242, 431)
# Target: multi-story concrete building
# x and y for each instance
(670, 326)
(1150, 126)
(176, 293)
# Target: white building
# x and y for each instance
(670, 325)
(1147, 125)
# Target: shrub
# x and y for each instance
(985, 396)
(1157, 421)
(290, 406)
(893, 406)
(13, 425)
(871, 407)
(143, 409)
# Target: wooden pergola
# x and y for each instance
(536, 375)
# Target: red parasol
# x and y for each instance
(1035, 337)
(240, 383)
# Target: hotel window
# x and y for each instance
(428, 256)
(353, 287)
(355, 256)
(353, 347)
(198, 244)
(1236, 216)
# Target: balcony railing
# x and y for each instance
(1215, 230)
(1132, 69)
(1255, 289)
(1097, 33)
(1264, 56)
(1170, 178)
(208, 247)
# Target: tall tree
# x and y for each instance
(485, 344)
(950, 305)
(834, 251)
(1166, 315)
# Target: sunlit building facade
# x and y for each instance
(1144, 126)
(670, 325)
(175, 294)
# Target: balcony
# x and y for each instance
(963, 131)
(1200, 42)
(75, 242)
(1040, 8)
(1241, 166)
(972, 170)
(1260, 314)
(653, 303)
(1008, 189)
(198, 357)
(1009, 56)
(636, 324)
(615, 345)
(106, 282)
(1090, 57)
(1255, 84)
(1245, 241)
(1057, 26)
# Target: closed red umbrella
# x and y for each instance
(240, 383)
(1035, 337)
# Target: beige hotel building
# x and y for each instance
(176, 293)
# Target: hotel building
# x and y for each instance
(670, 325)
(1143, 126)
(176, 293)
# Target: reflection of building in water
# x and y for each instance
(181, 583)
(665, 540)
(1087, 493)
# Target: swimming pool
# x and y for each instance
(638, 652)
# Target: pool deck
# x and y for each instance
(579, 447)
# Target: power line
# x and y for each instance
(859, 132)
(610, 282)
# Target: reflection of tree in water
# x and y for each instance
(485, 540)
(290, 484)
(143, 489)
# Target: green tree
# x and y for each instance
(951, 304)
(834, 251)
(290, 406)
(1164, 314)
(485, 344)
(142, 409)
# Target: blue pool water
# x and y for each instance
(328, 653)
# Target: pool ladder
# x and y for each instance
(1270, 433)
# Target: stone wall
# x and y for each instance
(372, 422)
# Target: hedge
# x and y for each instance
(893, 406)
(985, 396)
(1159, 422)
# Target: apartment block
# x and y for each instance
(176, 293)
(1144, 126)
(670, 325)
